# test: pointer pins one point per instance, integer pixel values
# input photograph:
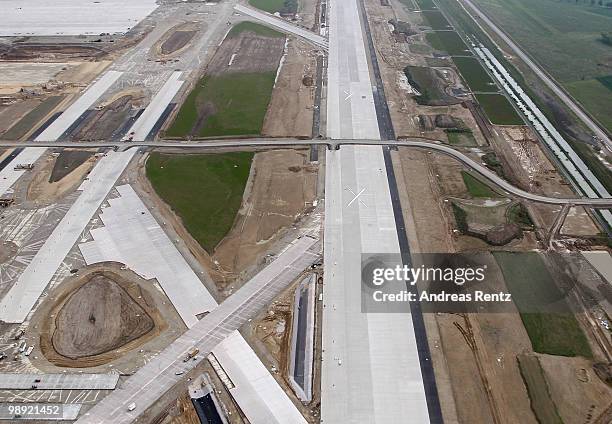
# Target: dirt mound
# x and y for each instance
(176, 41)
(98, 317)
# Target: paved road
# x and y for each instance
(283, 26)
(159, 375)
(263, 142)
(550, 82)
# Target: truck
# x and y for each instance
(191, 354)
(29, 350)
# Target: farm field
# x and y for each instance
(449, 42)
(233, 97)
(474, 74)
(204, 190)
(498, 109)
(436, 19)
(594, 96)
(555, 332)
(564, 38)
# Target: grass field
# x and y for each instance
(595, 96)
(204, 190)
(273, 6)
(240, 103)
(476, 188)
(563, 37)
(436, 19)
(448, 41)
(499, 110)
(553, 332)
(426, 4)
(461, 138)
(475, 75)
(232, 103)
(542, 404)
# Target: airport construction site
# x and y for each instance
(172, 249)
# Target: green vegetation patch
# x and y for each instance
(596, 97)
(436, 19)
(204, 190)
(284, 7)
(448, 41)
(431, 87)
(477, 188)
(499, 110)
(542, 404)
(32, 118)
(555, 331)
(599, 169)
(426, 4)
(474, 74)
(606, 81)
(519, 215)
(222, 105)
(255, 28)
(460, 137)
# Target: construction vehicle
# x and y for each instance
(24, 166)
(191, 354)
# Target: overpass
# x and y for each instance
(420, 143)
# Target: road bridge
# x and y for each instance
(420, 143)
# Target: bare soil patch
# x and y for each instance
(104, 123)
(176, 41)
(41, 191)
(291, 108)
(282, 187)
(177, 38)
(576, 389)
(67, 161)
(97, 317)
(247, 52)
(29, 52)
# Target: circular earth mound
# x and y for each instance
(98, 317)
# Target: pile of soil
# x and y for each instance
(99, 316)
